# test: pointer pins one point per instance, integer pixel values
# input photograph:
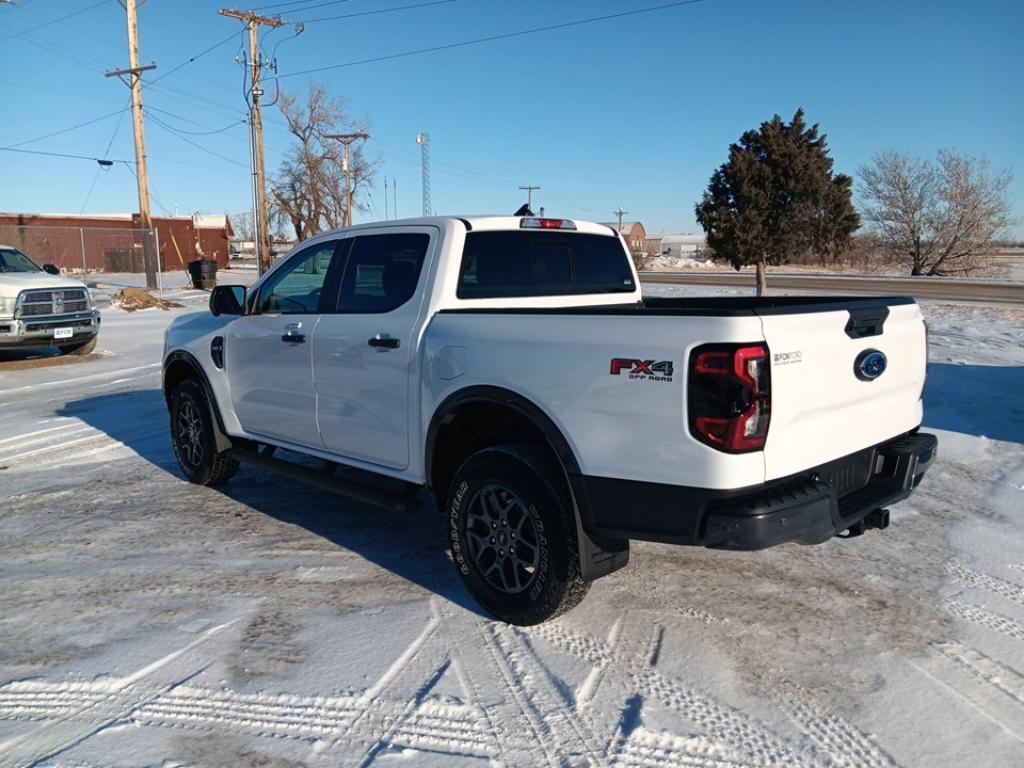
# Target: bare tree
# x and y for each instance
(937, 218)
(308, 192)
(241, 223)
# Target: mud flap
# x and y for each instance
(599, 558)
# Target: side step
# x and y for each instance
(405, 500)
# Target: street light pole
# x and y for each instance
(346, 139)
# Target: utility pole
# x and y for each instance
(346, 166)
(423, 139)
(620, 213)
(134, 72)
(261, 219)
(529, 196)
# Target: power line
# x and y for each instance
(379, 10)
(62, 154)
(38, 87)
(106, 152)
(211, 132)
(53, 21)
(72, 27)
(484, 176)
(160, 205)
(197, 145)
(66, 130)
(300, 2)
(492, 38)
(190, 59)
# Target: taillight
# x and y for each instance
(924, 383)
(533, 222)
(730, 396)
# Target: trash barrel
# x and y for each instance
(203, 273)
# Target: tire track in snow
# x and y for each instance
(84, 715)
(74, 383)
(973, 578)
(367, 734)
(986, 669)
(29, 438)
(837, 736)
(528, 713)
(259, 714)
(448, 729)
(573, 735)
(724, 724)
(985, 618)
(977, 682)
(660, 749)
(78, 448)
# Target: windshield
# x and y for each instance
(16, 261)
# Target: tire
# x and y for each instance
(192, 436)
(529, 571)
(81, 349)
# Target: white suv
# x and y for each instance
(41, 308)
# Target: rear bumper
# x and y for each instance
(808, 508)
(39, 331)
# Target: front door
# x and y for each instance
(363, 354)
(268, 353)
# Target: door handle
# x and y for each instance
(384, 342)
(292, 334)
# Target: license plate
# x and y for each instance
(63, 333)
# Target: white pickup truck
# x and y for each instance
(511, 366)
(41, 308)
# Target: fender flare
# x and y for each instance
(500, 396)
(221, 438)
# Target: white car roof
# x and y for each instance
(479, 224)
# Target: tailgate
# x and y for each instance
(831, 396)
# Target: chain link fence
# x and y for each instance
(81, 250)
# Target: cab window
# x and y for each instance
(382, 272)
(296, 288)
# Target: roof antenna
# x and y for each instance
(524, 211)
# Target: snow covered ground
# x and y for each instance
(145, 621)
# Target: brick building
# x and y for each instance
(633, 233)
(113, 243)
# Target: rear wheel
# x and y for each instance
(81, 349)
(512, 534)
(192, 436)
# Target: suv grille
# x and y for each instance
(56, 302)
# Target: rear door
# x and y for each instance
(363, 352)
(841, 380)
(268, 351)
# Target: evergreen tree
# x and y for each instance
(776, 197)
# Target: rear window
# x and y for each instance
(524, 263)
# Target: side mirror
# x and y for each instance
(51, 269)
(227, 300)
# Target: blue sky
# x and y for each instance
(635, 111)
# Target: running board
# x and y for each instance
(396, 501)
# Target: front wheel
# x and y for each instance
(512, 534)
(192, 436)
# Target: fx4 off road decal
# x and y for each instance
(647, 370)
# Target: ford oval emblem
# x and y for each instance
(870, 364)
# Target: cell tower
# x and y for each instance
(423, 139)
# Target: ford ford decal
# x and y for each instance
(870, 364)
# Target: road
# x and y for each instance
(987, 292)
